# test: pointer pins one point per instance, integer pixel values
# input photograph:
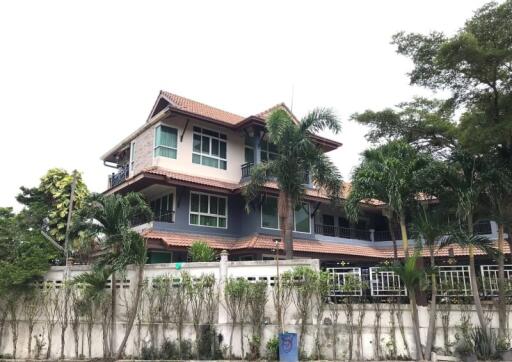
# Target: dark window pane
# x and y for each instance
(196, 158)
(194, 204)
(269, 217)
(206, 144)
(222, 149)
(197, 143)
(222, 206)
(213, 205)
(203, 206)
(215, 147)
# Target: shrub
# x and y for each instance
(272, 349)
(200, 251)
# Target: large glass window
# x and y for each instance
(269, 217)
(268, 151)
(166, 142)
(163, 208)
(302, 219)
(208, 210)
(209, 148)
(248, 151)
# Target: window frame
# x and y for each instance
(209, 154)
(267, 151)
(199, 213)
(156, 146)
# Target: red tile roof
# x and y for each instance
(192, 179)
(266, 242)
(201, 109)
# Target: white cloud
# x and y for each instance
(77, 77)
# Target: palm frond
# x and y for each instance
(320, 119)
(259, 176)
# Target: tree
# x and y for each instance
(424, 123)
(497, 200)
(200, 251)
(297, 156)
(392, 173)
(413, 279)
(429, 226)
(475, 65)
(108, 220)
(47, 205)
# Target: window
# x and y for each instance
(269, 217)
(166, 142)
(132, 155)
(248, 151)
(302, 218)
(163, 208)
(208, 210)
(268, 151)
(209, 148)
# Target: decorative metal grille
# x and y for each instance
(346, 281)
(489, 275)
(385, 283)
(454, 281)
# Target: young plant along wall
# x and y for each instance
(228, 310)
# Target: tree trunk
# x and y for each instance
(133, 311)
(113, 316)
(393, 239)
(29, 347)
(476, 293)
(285, 211)
(405, 240)
(502, 306)
(431, 334)
(416, 325)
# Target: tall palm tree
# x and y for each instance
(464, 189)
(497, 201)
(391, 173)
(413, 279)
(429, 226)
(108, 220)
(297, 155)
(470, 241)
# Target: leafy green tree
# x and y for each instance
(47, 205)
(414, 280)
(200, 251)
(108, 220)
(392, 173)
(424, 123)
(475, 65)
(297, 155)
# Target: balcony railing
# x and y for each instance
(118, 177)
(342, 232)
(161, 217)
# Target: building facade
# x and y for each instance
(191, 162)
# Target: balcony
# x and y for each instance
(167, 216)
(118, 177)
(246, 169)
(343, 232)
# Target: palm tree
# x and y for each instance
(391, 173)
(429, 226)
(497, 201)
(413, 279)
(297, 155)
(464, 189)
(468, 240)
(108, 219)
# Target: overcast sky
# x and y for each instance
(78, 76)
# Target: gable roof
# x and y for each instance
(201, 109)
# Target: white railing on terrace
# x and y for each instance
(385, 283)
(346, 281)
(454, 281)
(490, 279)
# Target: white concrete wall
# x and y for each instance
(250, 269)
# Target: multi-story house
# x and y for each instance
(191, 161)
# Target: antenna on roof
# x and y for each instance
(291, 103)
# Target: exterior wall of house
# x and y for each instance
(144, 144)
(183, 163)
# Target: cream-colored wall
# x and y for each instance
(144, 145)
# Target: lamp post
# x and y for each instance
(279, 296)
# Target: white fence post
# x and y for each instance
(223, 276)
